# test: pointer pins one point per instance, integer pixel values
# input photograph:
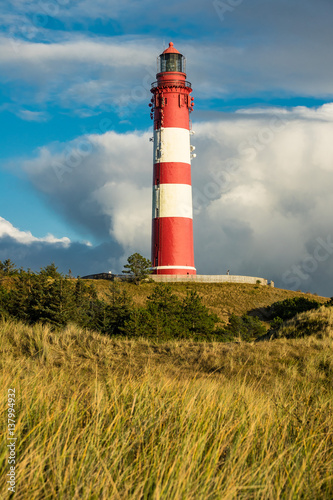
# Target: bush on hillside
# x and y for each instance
(287, 309)
(49, 298)
(166, 316)
(243, 327)
(107, 316)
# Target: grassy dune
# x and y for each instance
(222, 298)
(318, 322)
(102, 418)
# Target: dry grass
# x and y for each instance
(102, 418)
(317, 322)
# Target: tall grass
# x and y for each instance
(102, 418)
(318, 322)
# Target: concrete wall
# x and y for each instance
(201, 278)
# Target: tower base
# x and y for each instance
(174, 270)
(207, 278)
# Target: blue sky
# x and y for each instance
(76, 162)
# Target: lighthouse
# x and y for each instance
(172, 225)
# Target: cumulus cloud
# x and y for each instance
(82, 258)
(267, 195)
(100, 182)
(25, 237)
(262, 192)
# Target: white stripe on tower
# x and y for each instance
(172, 144)
(172, 200)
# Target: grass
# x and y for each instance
(317, 322)
(102, 418)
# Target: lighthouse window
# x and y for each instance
(172, 62)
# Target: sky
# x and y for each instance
(75, 156)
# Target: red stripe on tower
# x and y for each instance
(172, 229)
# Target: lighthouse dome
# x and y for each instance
(171, 49)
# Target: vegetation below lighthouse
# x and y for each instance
(206, 312)
(112, 415)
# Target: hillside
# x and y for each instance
(221, 298)
(197, 311)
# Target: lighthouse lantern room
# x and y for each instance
(172, 227)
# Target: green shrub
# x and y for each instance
(287, 309)
(329, 303)
(243, 327)
(166, 317)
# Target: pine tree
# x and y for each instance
(41, 298)
(19, 296)
(3, 302)
(50, 271)
(8, 268)
(245, 327)
(162, 317)
(137, 267)
(87, 307)
(196, 316)
(118, 310)
(58, 304)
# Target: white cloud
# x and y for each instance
(32, 116)
(26, 238)
(101, 182)
(28, 251)
(128, 212)
(88, 72)
(268, 195)
(262, 191)
(262, 179)
(77, 8)
(110, 52)
(74, 70)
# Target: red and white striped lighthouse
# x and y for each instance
(172, 228)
